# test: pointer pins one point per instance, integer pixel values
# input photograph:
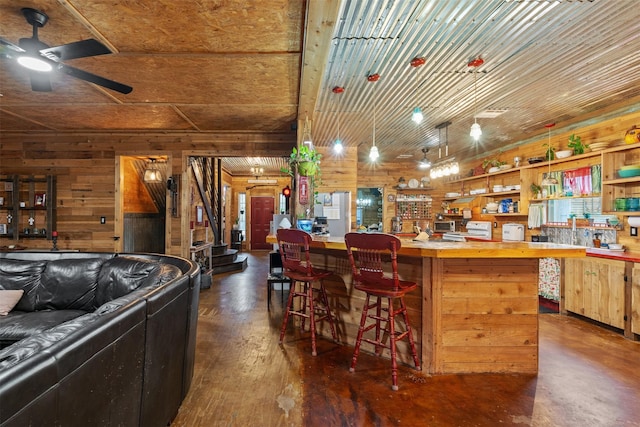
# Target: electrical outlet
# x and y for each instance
(634, 231)
(103, 220)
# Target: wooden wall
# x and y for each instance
(89, 174)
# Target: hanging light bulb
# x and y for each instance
(476, 131)
(337, 145)
(417, 116)
(549, 180)
(374, 153)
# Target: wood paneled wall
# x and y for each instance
(88, 176)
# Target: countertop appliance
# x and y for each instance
(512, 232)
(444, 226)
(481, 230)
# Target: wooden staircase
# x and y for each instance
(224, 259)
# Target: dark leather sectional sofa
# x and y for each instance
(97, 339)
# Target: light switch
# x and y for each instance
(103, 220)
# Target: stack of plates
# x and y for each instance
(596, 146)
(629, 171)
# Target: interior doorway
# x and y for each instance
(262, 209)
(142, 205)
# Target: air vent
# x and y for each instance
(490, 114)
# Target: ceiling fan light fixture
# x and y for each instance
(417, 116)
(34, 64)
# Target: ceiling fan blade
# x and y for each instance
(40, 82)
(101, 81)
(79, 49)
(9, 49)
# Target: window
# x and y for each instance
(242, 211)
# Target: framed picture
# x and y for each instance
(199, 215)
(3, 228)
(39, 199)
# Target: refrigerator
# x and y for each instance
(336, 207)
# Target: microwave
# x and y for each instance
(444, 226)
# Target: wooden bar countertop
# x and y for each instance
(475, 249)
(476, 306)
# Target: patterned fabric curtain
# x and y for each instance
(578, 181)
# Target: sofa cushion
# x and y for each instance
(25, 275)
(69, 284)
(8, 299)
(19, 324)
(121, 275)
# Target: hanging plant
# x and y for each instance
(305, 160)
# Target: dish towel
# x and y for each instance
(536, 215)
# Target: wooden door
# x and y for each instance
(575, 276)
(635, 299)
(261, 216)
(607, 292)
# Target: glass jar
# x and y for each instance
(633, 204)
(621, 204)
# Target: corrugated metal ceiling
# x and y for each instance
(545, 61)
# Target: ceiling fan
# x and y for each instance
(41, 60)
(424, 163)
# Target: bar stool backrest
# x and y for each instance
(368, 253)
(294, 250)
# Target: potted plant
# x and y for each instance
(576, 144)
(305, 160)
(536, 190)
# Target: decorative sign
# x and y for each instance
(303, 190)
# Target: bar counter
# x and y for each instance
(476, 307)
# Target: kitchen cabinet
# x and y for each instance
(28, 208)
(635, 299)
(595, 288)
(613, 186)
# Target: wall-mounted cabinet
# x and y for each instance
(28, 206)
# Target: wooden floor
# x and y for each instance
(588, 376)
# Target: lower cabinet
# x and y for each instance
(594, 288)
(635, 299)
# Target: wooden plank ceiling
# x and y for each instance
(261, 67)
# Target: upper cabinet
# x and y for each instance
(27, 206)
(621, 180)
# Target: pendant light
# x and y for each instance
(417, 115)
(476, 131)
(549, 180)
(337, 145)
(373, 153)
(152, 173)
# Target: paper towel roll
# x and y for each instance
(634, 221)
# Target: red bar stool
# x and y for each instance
(294, 250)
(367, 252)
